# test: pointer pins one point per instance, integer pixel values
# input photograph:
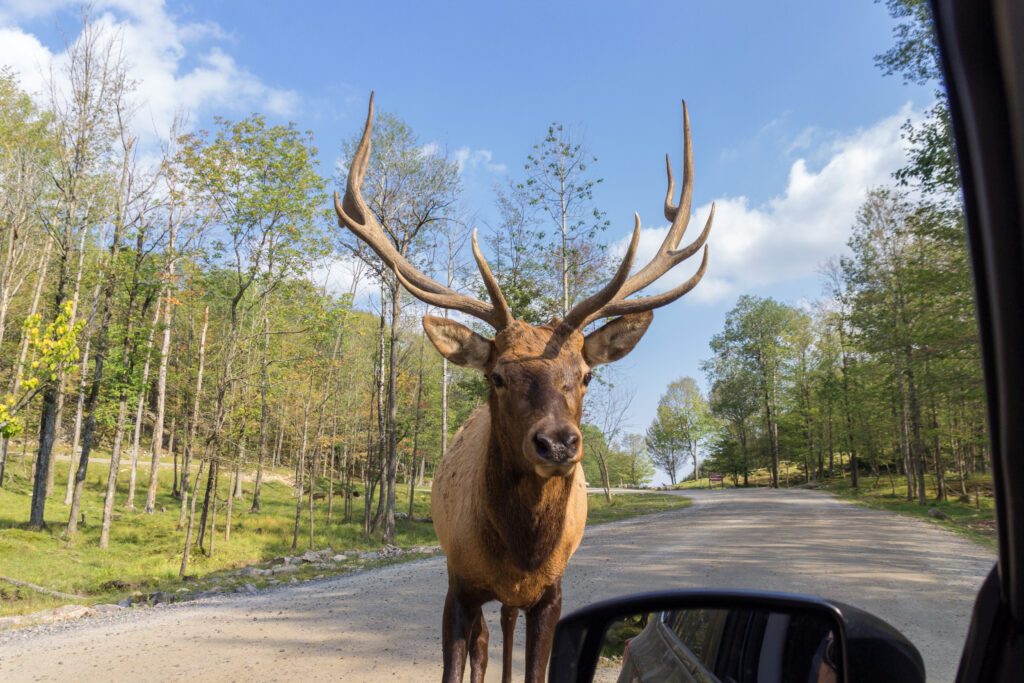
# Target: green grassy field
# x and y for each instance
(630, 505)
(145, 550)
(972, 516)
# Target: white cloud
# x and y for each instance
(477, 158)
(29, 58)
(156, 46)
(789, 236)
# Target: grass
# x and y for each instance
(624, 505)
(145, 550)
(971, 517)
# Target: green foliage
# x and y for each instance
(560, 186)
(270, 201)
(915, 57)
(54, 347)
(884, 376)
(682, 426)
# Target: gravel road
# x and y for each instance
(384, 625)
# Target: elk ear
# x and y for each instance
(614, 340)
(458, 343)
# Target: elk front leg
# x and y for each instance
(461, 614)
(478, 638)
(509, 615)
(541, 620)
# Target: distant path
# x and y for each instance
(385, 624)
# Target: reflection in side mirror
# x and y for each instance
(729, 637)
(700, 645)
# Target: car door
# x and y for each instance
(982, 45)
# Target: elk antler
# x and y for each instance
(354, 214)
(612, 299)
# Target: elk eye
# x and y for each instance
(498, 380)
(586, 379)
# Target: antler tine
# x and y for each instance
(502, 313)
(679, 215)
(667, 257)
(587, 309)
(647, 303)
(354, 214)
(455, 302)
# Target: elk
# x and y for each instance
(509, 500)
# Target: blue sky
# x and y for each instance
(791, 119)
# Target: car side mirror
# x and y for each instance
(732, 637)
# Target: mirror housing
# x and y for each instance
(872, 650)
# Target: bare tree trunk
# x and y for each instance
(312, 478)
(392, 404)
(213, 512)
(190, 435)
(175, 493)
(209, 496)
(300, 468)
(115, 462)
(83, 388)
(191, 520)
(381, 415)
(280, 443)
(416, 431)
(137, 435)
(161, 382)
(264, 417)
(232, 486)
(940, 476)
(915, 432)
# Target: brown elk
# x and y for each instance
(509, 500)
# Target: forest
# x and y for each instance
(174, 305)
(881, 375)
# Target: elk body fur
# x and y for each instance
(504, 530)
(509, 500)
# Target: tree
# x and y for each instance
(688, 418)
(607, 410)
(94, 148)
(734, 401)
(411, 193)
(638, 466)
(558, 183)
(665, 445)
(682, 425)
(263, 191)
(517, 245)
(932, 162)
(755, 335)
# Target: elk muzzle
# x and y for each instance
(554, 446)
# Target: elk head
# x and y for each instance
(538, 373)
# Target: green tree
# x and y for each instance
(756, 335)
(517, 245)
(266, 200)
(915, 57)
(411, 192)
(639, 469)
(681, 428)
(694, 421)
(560, 185)
(733, 399)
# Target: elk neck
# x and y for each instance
(525, 512)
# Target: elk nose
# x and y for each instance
(558, 445)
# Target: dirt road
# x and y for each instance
(384, 625)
